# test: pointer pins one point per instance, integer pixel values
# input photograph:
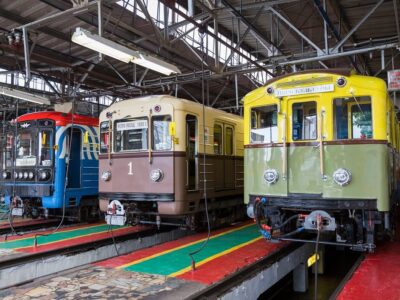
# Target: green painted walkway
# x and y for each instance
(174, 261)
(55, 237)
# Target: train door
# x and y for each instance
(74, 169)
(191, 152)
(304, 178)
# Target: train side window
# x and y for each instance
(353, 118)
(105, 136)
(228, 140)
(217, 139)
(191, 152)
(161, 138)
(304, 121)
(264, 121)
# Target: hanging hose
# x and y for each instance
(110, 230)
(319, 225)
(267, 230)
(202, 34)
(65, 181)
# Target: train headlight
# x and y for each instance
(31, 175)
(342, 177)
(271, 176)
(20, 175)
(6, 175)
(44, 175)
(341, 82)
(106, 175)
(156, 175)
(25, 175)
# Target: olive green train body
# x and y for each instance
(369, 164)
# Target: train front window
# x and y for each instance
(161, 138)
(25, 149)
(131, 135)
(353, 118)
(304, 121)
(45, 147)
(264, 123)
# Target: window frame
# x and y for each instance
(128, 120)
(221, 146)
(152, 133)
(302, 101)
(271, 141)
(226, 126)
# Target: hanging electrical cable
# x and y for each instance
(12, 198)
(319, 227)
(65, 179)
(191, 254)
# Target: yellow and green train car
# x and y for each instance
(321, 153)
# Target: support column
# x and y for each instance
(300, 278)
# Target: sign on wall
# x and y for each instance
(394, 80)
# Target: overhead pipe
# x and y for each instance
(322, 10)
(190, 8)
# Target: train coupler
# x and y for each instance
(18, 207)
(319, 220)
(115, 214)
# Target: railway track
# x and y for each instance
(26, 267)
(28, 225)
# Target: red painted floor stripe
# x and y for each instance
(19, 223)
(377, 277)
(68, 228)
(218, 268)
(82, 240)
(121, 260)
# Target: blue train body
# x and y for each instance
(34, 179)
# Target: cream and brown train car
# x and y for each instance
(153, 168)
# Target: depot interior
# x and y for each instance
(83, 56)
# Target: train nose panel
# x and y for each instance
(132, 173)
(304, 177)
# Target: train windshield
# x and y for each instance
(7, 148)
(161, 137)
(131, 135)
(264, 124)
(45, 148)
(32, 144)
(25, 150)
(353, 118)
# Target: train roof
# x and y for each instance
(60, 118)
(310, 77)
(178, 103)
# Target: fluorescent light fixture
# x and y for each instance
(97, 43)
(155, 64)
(24, 96)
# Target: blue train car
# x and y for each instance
(41, 169)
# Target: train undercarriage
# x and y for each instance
(220, 211)
(31, 207)
(356, 228)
